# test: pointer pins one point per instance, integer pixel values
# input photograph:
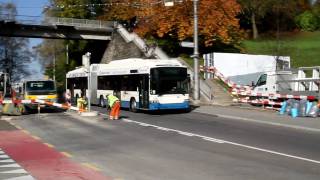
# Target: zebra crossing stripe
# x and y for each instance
(10, 165)
(20, 173)
(28, 177)
(4, 156)
(7, 161)
(14, 171)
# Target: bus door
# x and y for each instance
(144, 92)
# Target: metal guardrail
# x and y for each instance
(29, 20)
(37, 20)
(206, 90)
(78, 22)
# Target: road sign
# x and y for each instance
(187, 44)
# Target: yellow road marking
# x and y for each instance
(66, 154)
(36, 137)
(91, 166)
(19, 127)
(49, 145)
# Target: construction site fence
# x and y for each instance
(244, 94)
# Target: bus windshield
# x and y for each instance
(169, 80)
(40, 86)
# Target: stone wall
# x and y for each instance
(118, 48)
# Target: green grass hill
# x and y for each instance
(302, 47)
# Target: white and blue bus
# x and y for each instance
(146, 84)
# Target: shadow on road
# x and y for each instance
(45, 110)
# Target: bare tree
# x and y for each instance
(14, 53)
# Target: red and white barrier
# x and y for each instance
(9, 101)
(258, 102)
(63, 106)
(224, 79)
(274, 96)
(39, 101)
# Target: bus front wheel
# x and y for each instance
(133, 105)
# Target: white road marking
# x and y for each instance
(28, 177)
(163, 129)
(213, 140)
(144, 124)
(1, 152)
(10, 165)
(14, 171)
(7, 161)
(126, 120)
(4, 156)
(15, 174)
(223, 141)
(185, 133)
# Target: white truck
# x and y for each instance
(243, 69)
(302, 83)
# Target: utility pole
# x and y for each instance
(196, 92)
(67, 54)
(54, 62)
(86, 64)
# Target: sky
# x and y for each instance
(31, 10)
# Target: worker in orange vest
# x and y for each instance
(114, 104)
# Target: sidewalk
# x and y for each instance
(262, 116)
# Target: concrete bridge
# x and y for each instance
(58, 28)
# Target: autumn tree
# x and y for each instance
(217, 19)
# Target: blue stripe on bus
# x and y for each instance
(156, 106)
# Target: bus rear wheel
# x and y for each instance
(133, 105)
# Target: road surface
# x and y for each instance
(179, 146)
